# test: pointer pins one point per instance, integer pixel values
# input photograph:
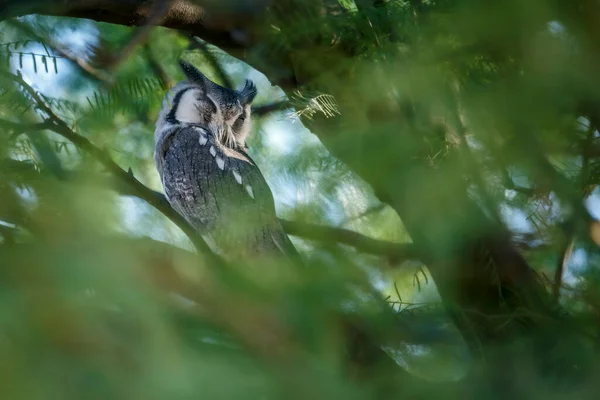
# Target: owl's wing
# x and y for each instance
(222, 193)
(277, 235)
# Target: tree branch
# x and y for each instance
(125, 177)
(263, 110)
(157, 13)
(394, 251)
(157, 68)
(218, 22)
(19, 128)
(59, 49)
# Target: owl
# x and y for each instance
(207, 175)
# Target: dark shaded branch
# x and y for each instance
(17, 129)
(510, 185)
(263, 110)
(214, 21)
(371, 210)
(365, 244)
(156, 15)
(157, 69)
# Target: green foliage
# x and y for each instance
(438, 122)
(11, 49)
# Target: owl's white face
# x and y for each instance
(225, 112)
(189, 107)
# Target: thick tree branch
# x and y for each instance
(218, 22)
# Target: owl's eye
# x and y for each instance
(239, 122)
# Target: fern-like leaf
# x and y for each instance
(308, 106)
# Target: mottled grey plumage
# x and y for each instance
(206, 172)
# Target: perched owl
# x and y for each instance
(207, 174)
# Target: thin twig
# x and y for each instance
(79, 62)
(510, 185)
(586, 150)
(371, 210)
(156, 15)
(563, 260)
(569, 229)
(157, 68)
(84, 66)
(470, 161)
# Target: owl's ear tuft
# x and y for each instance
(193, 74)
(247, 93)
